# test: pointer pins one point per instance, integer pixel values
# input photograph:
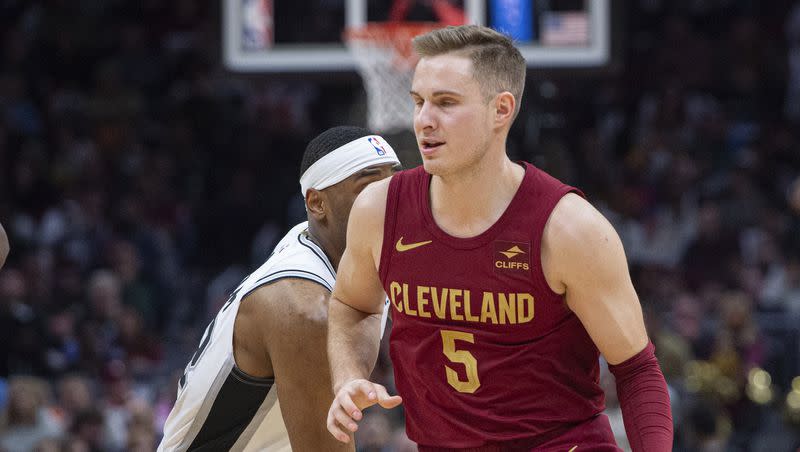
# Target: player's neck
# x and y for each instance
(470, 202)
(329, 247)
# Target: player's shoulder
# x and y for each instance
(287, 300)
(369, 208)
(374, 195)
(573, 217)
(574, 241)
(572, 205)
(297, 277)
(295, 256)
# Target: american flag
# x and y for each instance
(257, 24)
(565, 29)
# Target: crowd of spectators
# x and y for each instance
(140, 181)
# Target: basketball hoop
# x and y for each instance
(385, 59)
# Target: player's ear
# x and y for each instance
(315, 204)
(504, 105)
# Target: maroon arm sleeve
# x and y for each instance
(644, 400)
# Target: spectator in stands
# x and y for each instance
(87, 432)
(115, 157)
(27, 418)
(74, 395)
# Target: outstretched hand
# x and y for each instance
(354, 396)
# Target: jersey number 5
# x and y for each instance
(464, 357)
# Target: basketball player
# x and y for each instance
(4, 246)
(505, 284)
(260, 379)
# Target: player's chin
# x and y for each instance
(433, 165)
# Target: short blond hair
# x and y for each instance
(497, 64)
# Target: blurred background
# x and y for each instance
(141, 179)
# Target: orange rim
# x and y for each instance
(396, 34)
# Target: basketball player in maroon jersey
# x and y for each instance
(505, 283)
(4, 247)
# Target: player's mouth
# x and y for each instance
(429, 146)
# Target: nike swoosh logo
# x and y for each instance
(401, 247)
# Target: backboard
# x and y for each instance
(306, 35)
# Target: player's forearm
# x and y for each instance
(4, 246)
(353, 342)
(644, 399)
(312, 440)
(306, 426)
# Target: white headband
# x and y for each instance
(347, 160)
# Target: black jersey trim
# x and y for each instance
(234, 408)
(251, 380)
(316, 250)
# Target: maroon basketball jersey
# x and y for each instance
(483, 350)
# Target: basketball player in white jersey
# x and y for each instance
(260, 380)
(4, 247)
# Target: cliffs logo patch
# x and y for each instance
(512, 256)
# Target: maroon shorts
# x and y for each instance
(593, 435)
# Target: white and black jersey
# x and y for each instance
(219, 407)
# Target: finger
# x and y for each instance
(337, 432)
(346, 402)
(345, 420)
(390, 401)
(385, 400)
(368, 389)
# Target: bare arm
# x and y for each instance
(4, 246)
(583, 258)
(281, 330)
(357, 298)
(354, 315)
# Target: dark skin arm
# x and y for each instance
(281, 331)
(4, 246)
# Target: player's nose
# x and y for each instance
(424, 117)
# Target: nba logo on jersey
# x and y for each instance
(377, 145)
(512, 256)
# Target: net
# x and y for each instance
(385, 59)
